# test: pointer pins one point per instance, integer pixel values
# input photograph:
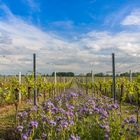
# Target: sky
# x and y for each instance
(69, 35)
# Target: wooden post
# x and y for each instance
(86, 84)
(138, 96)
(64, 83)
(55, 83)
(34, 73)
(92, 81)
(19, 85)
(113, 77)
(130, 75)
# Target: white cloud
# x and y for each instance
(33, 5)
(132, 19)
(19, 40)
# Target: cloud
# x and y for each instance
(20, 39)
(34, 5)
(68, 24)
(132, 19)
(114, 18)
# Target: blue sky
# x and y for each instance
(69, 35)
(75, 15)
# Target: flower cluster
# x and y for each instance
(75, 116)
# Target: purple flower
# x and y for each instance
(71, 122)
(101, 126)
(109, 107)
(64, 124)
(58, 118)
(29, 132)
(20, 115)
(50, 104)
(107, 130)
(96, 109)
(24, 137)
(126, 120)
(69, 113)
(70, 107)
(24, 114)
(103, 112)
(19, 128)
(115, 105)
(44, 136)
(132, 119)
(34, 124)
(72, 94)
(72, 137)
(101, 117)
(51, 122)
(61, 110)
(44, 118)
(106, 136)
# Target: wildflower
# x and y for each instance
(54, 110)
(20, 115)
(64, 124)
(69, 113)
(24, 137)
(34, 124)
(72, 94)
(101, 126)
(115, 105)
(96, 109)
(101, 117)
(71, 122)
(107, 130)
(106, 136)
(24, 114)
(61, 110)
(70, 107)
(72, 137)
(44, 118)
(126, 120)
(58, 118)
(19, 128)
(132, 119)
(50, 104)
(51, 122)
(44, 136)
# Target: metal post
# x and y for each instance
(113, 77)
(34, 73)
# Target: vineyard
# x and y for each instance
(73, 108)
